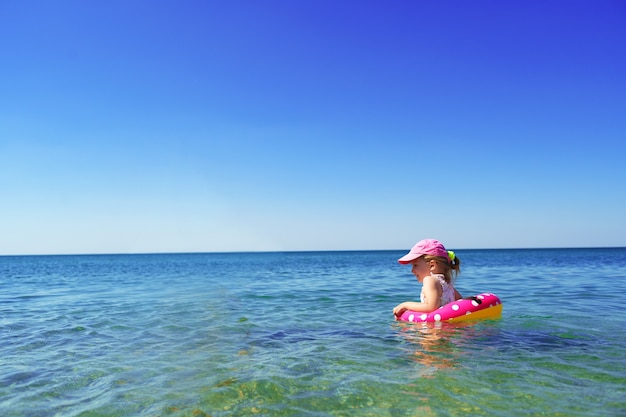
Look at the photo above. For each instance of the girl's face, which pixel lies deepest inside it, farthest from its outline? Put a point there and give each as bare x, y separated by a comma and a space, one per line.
420, 268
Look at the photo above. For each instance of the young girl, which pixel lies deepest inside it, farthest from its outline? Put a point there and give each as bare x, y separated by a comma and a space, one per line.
433, 266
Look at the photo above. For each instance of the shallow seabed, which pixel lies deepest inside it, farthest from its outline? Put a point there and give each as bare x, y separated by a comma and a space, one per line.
308, 334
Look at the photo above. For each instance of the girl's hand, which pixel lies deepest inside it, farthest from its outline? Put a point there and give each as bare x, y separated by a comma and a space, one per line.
399, 309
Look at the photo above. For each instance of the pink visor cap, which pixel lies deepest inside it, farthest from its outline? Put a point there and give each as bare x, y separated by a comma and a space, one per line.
424, 247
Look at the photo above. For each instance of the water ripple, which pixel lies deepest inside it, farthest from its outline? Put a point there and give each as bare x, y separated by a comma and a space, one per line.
306, 334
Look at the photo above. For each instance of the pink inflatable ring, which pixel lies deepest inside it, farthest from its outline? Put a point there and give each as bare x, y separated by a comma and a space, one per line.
481, 306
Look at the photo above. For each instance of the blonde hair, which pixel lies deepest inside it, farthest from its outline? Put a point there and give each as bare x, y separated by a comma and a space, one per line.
451, 268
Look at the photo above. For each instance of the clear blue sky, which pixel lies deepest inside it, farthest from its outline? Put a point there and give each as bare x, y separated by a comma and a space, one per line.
165, 126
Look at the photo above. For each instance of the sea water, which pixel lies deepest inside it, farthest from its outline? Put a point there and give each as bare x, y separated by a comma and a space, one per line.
308, 334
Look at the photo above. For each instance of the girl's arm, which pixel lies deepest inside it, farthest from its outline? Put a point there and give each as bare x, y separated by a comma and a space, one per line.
432, 293
457, 295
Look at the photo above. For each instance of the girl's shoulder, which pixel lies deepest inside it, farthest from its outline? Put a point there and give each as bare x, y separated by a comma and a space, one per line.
434, 279
441, 278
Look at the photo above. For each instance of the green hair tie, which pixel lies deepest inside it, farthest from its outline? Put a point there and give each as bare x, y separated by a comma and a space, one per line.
451, 255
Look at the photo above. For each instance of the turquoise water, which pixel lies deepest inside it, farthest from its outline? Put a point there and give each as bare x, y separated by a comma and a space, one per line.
308, 334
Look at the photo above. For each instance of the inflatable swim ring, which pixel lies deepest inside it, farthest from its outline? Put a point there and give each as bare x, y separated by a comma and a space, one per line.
481, 306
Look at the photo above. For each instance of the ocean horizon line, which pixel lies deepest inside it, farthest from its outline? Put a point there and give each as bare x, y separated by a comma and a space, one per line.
295, 251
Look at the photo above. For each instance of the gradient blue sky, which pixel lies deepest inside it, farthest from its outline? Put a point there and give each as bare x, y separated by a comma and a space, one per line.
173, 126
